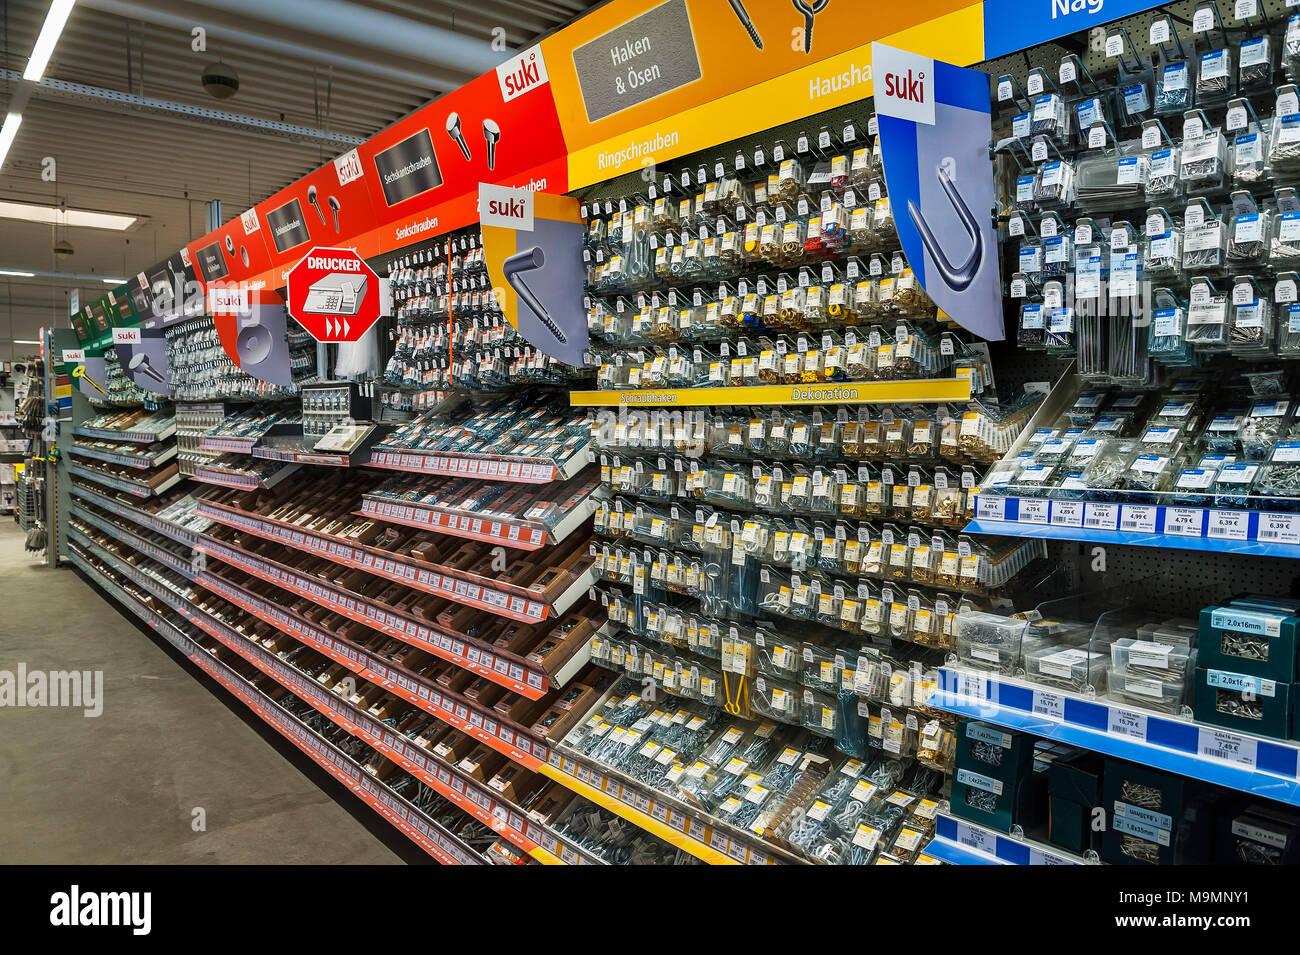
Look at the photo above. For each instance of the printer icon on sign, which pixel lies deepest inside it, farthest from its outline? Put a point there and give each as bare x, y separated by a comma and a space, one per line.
339, 293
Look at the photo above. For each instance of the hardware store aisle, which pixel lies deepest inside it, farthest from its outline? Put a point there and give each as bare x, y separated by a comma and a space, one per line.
122, 787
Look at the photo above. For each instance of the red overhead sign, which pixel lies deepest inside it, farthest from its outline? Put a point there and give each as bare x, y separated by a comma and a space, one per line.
334, 295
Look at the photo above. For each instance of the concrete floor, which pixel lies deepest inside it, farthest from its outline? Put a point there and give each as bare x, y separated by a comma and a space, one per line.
122, 787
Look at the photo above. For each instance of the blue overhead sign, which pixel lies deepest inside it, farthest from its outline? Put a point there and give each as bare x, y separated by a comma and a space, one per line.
1012, 25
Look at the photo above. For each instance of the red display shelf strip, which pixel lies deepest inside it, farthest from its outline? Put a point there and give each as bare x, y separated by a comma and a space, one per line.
136, 516
483, 725
515, 470
99, 477
513, 604
511, 673
453, 524
475, 798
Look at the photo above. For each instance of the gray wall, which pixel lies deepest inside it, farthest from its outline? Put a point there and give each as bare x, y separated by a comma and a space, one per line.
26, 306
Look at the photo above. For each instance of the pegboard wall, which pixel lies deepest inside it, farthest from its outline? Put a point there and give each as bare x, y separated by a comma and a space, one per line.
1091, 45
1176, 581
1167, 581
637, 181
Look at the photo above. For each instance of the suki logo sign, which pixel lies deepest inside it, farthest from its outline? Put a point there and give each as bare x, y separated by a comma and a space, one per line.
905, 84
508, 208
906, 87
522, 73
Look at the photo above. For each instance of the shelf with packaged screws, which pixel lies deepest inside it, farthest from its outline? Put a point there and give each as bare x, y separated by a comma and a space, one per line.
180, 562
162, 521
1265, 767
868, 699
939, 439
532, 438
478, 782
960, 842
657, 504
1218, 206
126, 479
124, 454
521, 589
1196, 465
895, 589
391, 665
739, 788
137, 427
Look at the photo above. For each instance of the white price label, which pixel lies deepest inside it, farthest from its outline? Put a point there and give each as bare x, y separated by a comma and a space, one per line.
978, 840
1159, 32
1138, 518
1184, 521
1097, 137
1067, 514
1229, 525
972, 686
1128, 723
1034, 510
1247, 9
1101, 516
1279, 528
1229, 747
1049, 704
1114, 45
1203, 20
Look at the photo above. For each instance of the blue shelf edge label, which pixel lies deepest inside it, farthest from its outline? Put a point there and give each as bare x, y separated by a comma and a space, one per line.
982, 696
1143, 520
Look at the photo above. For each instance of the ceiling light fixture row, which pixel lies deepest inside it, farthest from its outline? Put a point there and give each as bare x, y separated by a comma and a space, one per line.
46, 40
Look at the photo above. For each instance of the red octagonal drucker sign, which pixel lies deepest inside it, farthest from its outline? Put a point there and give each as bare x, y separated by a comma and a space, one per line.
334, 295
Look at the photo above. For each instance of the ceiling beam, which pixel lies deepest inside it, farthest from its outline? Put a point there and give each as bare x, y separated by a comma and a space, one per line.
131, 102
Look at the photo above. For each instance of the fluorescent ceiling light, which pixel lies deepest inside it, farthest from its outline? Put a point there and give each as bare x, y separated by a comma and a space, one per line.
24, 341
7, 133
18, 275
113, 281
49, 36
48, 215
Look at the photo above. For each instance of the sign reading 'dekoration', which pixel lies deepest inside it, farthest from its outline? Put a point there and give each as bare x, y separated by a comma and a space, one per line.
646, 57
